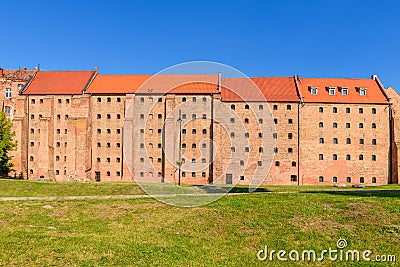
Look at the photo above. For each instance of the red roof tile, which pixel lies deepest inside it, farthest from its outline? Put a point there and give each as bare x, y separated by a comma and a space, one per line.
259, 89
160, 84
374, 94
58, 83
116, 83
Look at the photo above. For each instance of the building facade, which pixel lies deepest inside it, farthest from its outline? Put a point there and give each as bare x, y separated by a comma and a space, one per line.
200, 129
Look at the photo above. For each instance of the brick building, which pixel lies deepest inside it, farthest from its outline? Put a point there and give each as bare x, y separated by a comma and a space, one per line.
203, 129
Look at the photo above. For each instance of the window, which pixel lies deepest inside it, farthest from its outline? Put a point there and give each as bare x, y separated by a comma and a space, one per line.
374, 141
247, 149
203, 174
108, 160
321, 156
241, 177
259, 163
260, 107
58, 144
57, 172
142, 100
361, 180
183, 174
347, 125
277, 163
108, 116
289, 107
183, 131
360, 125
98, 160
183, 116
159, 160
334, 110
99, 99
373, 110
98, 116
335, 141
348, 141
66, 117
232, 135
20, 86
204, 145
293, 178
348, 157
361, 141
59, 101
108, 99
233, 149
363, 91
348, 179
260, 121
32, 131
321, 124
204, 100
118, 131
334, 157
41, 101
275, 135
294, 164
118, 160
204, 131
194, 131
159, 99
246, 106
276, 149
194, 99
241, 163
275, 107
276, 121
30, 171
193, 174
141, 145
321, 140
194, 145
334, 179
32, 117
233, 107
321, 110
203, 160
361, 157
246, 135
290, 121
183, 145
261, 150
260, 135
159, 116
141, 159
360, 110
8, 110
32, 101
321, 179
373, 126
347, 110
373, 157
118, 99
334, 125
99, 131
8, 92
31, 158
232, 120
183, 99
118, 116
314, 90
246, 120
58, 131
290, 135
332, 91
108, 173
193, 116
159, 145
345, 91
374, 180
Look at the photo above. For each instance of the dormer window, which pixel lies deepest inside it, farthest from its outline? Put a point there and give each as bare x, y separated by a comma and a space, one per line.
363, 91
314, 90
345, 91
332, 90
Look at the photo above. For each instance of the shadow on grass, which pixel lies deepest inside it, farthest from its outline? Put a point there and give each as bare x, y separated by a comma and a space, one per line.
360, 193
235, 189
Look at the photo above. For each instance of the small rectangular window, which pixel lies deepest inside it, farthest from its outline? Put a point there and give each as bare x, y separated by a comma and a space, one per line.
332, 91
314, 90
345, 91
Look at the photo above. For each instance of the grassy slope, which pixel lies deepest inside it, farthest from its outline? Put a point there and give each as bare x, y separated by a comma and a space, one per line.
229, 231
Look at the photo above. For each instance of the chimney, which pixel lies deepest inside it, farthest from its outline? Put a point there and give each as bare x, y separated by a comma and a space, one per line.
1, 72
374, 77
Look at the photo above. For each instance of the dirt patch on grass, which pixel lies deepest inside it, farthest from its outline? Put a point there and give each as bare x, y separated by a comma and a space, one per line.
316, 224
355, 209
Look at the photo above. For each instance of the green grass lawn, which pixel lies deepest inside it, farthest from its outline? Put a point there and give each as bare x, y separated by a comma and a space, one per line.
227, 232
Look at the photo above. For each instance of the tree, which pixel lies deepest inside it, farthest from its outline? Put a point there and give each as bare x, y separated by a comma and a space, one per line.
6, 144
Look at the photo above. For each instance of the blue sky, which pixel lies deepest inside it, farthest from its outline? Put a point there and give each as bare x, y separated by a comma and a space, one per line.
331, 38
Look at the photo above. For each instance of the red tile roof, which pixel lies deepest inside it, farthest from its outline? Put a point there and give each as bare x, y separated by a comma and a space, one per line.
259, 89
116, 83
374, 93
163, 83
58, 83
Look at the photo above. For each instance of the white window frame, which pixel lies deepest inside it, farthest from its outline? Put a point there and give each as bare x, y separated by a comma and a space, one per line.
314, 90
345, 89
330, 89
363, 91
8, 92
